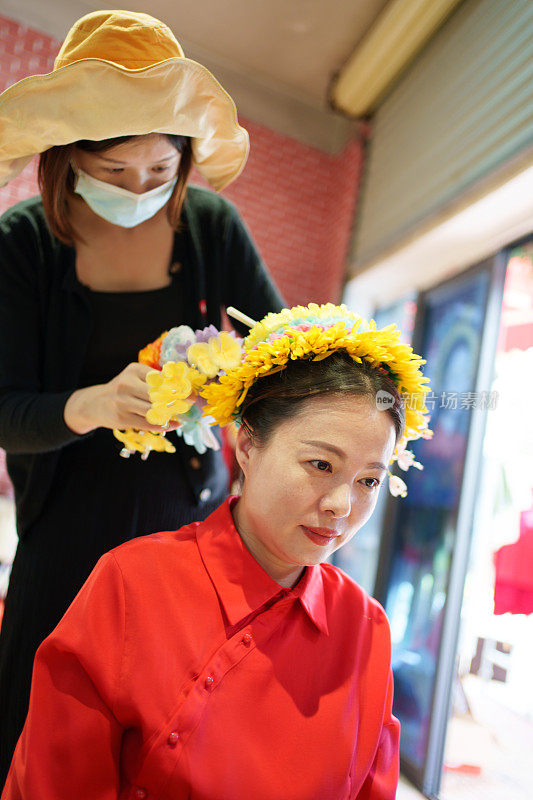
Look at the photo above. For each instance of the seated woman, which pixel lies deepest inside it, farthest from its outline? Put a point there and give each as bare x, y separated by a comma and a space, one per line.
225, 660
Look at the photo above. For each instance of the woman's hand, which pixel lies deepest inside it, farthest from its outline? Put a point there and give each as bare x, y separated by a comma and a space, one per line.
122, 403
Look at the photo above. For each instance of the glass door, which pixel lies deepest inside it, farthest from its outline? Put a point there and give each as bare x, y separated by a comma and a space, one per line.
426, 535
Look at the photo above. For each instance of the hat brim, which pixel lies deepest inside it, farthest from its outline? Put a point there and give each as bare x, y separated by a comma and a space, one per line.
96, 99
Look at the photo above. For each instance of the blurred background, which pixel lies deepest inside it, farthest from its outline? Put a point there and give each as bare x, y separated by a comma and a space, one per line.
391, 167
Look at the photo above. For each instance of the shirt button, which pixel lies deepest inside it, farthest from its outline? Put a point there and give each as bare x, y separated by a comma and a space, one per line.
247, 638
173, 739
140, 794
205, 494
195, 462
175, 267
209, 681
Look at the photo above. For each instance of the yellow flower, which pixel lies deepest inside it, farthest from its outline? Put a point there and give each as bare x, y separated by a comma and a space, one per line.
200, 356
280, 337
171, 392
178, 373
274, 322
225, 351
196, 378
143, 441
222, 352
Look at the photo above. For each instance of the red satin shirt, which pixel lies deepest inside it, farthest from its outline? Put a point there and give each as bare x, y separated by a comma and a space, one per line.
182, 671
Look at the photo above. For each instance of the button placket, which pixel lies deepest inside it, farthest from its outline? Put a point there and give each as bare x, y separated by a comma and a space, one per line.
233, 652
185, 719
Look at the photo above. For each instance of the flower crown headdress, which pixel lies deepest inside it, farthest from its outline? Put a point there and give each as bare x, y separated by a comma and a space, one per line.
203, 378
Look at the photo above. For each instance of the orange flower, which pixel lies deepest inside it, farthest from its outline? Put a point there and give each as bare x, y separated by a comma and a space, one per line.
149, 355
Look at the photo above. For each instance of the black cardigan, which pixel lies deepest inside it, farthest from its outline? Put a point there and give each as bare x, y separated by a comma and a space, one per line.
46, 321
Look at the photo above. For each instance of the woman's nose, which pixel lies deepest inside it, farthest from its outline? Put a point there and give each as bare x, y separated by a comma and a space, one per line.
138, 182
338, 501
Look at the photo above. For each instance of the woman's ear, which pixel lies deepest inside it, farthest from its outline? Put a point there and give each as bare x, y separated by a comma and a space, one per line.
243, 448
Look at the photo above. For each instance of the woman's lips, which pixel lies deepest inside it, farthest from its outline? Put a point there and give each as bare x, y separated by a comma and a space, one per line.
320, 536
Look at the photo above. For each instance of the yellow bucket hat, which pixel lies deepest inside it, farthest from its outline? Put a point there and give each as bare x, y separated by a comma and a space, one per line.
122, 73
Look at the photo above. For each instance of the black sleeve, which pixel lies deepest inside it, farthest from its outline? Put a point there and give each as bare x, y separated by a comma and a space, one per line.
31, 420
247, 284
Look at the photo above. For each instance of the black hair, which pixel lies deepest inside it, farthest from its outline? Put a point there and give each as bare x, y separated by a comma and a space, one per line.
56, 181
275, 398
90, 146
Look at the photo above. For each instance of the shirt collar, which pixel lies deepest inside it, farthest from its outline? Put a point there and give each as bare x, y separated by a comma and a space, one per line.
240, 582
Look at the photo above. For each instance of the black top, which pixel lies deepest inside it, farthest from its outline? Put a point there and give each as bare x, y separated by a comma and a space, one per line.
46, 321
112, 499
125, 322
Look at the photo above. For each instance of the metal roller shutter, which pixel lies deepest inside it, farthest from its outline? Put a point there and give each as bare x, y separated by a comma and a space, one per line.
463, 109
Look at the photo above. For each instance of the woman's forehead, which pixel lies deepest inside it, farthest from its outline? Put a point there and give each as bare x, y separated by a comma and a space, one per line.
342, 406
151, 145
346, 422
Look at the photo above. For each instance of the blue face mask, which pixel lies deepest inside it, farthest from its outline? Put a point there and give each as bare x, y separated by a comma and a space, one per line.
120, 206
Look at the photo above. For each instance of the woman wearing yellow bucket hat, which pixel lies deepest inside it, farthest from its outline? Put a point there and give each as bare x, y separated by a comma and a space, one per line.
116, 248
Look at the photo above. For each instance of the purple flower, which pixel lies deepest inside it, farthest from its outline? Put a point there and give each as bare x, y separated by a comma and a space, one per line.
206, 334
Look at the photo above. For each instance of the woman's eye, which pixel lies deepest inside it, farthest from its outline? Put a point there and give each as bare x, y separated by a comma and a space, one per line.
371, 483
161, 169
323, 466
115, 169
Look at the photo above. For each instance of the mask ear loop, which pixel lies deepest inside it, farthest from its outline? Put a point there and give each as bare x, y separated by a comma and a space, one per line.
76, 170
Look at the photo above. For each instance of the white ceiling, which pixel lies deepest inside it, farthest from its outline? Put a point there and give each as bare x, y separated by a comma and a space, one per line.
275, 57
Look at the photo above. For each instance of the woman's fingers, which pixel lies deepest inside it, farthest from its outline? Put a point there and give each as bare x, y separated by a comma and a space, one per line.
129, 404
121, 403
133, 400
138, 422
131, 382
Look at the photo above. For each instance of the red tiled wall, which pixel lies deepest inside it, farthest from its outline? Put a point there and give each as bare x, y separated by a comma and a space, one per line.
23, 51
297, 201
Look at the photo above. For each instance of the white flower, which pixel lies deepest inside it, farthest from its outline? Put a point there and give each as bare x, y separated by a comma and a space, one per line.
397, 487
183, 334
406, 459
174, 345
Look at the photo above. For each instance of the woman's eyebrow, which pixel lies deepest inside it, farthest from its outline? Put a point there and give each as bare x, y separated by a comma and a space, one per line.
341, 453
326, 446
116, 161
